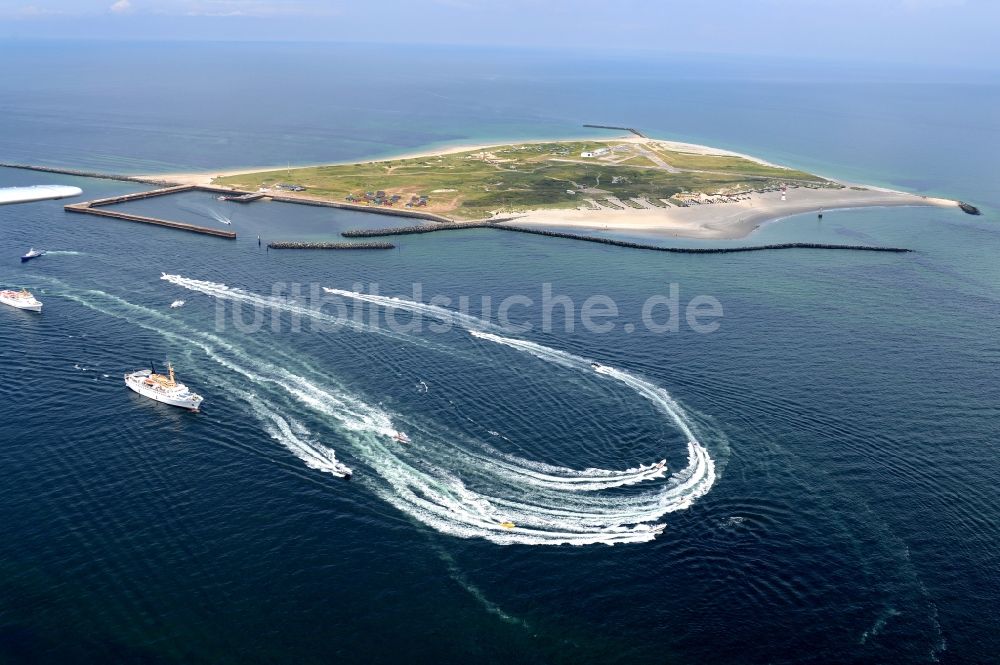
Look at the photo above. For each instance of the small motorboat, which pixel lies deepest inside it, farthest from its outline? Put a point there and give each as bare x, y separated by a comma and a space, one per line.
32, 254
177, 303
507, 525
401, 437
596, 365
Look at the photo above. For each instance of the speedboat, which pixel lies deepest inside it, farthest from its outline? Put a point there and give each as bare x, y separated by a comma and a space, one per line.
596, 365
177, 303
32, 254
163, 388
22, 299
401, 437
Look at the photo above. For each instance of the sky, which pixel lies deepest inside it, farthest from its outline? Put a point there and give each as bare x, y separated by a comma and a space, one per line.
915, 32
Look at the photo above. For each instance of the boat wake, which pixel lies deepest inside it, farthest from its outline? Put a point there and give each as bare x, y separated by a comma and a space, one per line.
444, 479
684, 486
443, 314
205, 211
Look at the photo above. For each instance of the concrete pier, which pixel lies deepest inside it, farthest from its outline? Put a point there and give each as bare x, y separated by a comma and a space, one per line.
82, 208
98, 207
378, 210
124, 198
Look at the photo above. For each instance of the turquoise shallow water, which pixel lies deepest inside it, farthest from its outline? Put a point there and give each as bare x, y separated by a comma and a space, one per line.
848, 401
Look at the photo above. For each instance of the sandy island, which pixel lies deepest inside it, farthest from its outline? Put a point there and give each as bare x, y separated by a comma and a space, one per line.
720, 220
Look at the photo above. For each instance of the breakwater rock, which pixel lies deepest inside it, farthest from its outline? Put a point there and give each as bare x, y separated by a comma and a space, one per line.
411, 230
331, 245
433, 228
699, 250
86, 174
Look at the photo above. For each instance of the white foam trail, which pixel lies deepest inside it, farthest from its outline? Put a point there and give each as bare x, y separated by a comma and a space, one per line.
477, 327
555, 475
549, 505
288, 432
443, 314
278, 304
685, 486
691, 482
204, 211
295, 438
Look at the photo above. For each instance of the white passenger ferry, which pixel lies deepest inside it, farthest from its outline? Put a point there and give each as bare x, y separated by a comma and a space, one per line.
21, 299
162, 388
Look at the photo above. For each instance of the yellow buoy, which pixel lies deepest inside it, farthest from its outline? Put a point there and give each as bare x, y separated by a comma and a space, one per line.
507, 525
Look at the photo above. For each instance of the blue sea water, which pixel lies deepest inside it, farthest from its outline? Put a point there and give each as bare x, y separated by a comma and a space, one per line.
848, 402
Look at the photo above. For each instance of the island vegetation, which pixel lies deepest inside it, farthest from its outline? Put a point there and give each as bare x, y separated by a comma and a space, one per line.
480, 183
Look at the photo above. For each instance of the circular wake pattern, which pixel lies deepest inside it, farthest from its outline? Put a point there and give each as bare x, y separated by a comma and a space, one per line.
443, 479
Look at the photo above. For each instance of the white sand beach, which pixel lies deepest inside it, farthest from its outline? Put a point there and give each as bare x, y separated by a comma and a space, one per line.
725, 220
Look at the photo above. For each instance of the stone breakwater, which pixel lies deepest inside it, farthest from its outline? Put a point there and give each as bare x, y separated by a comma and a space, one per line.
700, 250
408, 230
331, 245
85, 174
411, 230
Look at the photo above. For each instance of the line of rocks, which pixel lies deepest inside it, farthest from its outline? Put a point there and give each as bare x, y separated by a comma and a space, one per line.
409, 230
331, 245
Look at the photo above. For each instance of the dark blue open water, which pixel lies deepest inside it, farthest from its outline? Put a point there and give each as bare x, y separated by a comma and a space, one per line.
840, 504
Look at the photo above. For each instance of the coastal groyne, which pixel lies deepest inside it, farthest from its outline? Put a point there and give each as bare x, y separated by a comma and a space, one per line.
698, 250
85, 174
404, 230
622, 129
331, 245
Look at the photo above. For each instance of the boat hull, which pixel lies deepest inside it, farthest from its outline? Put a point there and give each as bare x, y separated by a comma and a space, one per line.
28, 307
136, 383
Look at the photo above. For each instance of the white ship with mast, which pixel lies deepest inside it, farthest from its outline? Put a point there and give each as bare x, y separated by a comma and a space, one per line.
21, 299
162, 388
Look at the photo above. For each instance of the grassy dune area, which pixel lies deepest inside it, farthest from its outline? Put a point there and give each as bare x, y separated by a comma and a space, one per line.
476, 184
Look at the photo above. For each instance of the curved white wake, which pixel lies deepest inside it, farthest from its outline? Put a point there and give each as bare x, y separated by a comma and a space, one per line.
685, 486
533, 472
464, 488
443, 314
